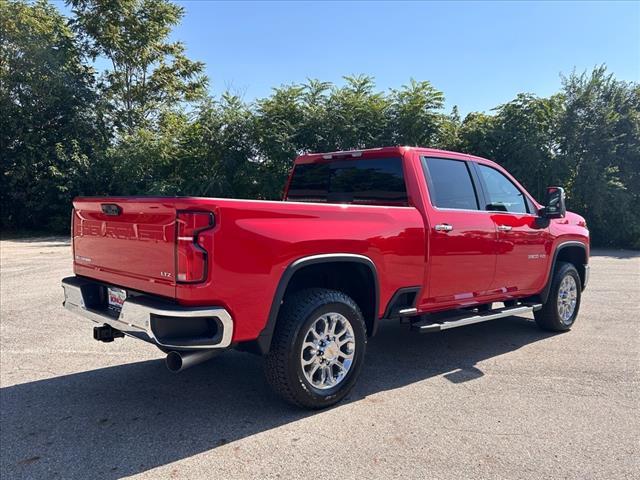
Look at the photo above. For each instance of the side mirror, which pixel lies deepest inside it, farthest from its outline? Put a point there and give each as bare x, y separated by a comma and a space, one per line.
554, 206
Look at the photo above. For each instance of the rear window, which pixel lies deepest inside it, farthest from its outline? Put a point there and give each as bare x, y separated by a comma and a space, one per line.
370, 182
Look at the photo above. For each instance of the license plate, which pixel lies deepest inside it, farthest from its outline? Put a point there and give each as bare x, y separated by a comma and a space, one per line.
116, 297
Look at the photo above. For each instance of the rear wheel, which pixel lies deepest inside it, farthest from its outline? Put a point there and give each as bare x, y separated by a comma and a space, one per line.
561, 309
318, 348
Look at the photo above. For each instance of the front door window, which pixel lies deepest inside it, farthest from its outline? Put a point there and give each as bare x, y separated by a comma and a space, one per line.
502, 195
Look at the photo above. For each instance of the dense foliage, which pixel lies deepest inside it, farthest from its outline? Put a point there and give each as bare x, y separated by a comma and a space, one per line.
145, 124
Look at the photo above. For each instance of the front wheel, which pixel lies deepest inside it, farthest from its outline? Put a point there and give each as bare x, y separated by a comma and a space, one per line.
318, 348
561, 309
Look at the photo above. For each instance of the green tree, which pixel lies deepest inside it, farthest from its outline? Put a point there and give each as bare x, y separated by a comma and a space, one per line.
522, 137
47, 133
476, 135
279, 125
448, 134
316, 132
218, 152
148, 74
599, 136
145, 126
414, 116
527, 141
142, 163
357, 115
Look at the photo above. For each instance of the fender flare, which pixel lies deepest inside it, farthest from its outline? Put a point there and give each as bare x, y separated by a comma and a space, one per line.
544, 294
264, 339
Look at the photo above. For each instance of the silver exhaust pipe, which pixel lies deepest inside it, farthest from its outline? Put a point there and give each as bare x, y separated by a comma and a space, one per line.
179, 361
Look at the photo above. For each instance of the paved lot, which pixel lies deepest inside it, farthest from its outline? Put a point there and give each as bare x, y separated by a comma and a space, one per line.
498, 400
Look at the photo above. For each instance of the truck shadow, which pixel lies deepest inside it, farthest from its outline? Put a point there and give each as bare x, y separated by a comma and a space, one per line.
119, 421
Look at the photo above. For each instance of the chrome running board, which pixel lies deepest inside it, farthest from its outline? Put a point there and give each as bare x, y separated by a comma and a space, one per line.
428, 325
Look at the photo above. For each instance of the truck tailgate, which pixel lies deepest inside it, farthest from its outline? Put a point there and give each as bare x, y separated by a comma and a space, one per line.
130, 243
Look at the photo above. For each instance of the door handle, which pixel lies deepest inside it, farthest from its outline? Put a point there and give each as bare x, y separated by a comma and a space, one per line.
443, 227
504, 228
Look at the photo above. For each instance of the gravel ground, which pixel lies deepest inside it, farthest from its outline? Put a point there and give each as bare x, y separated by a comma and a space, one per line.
495, 400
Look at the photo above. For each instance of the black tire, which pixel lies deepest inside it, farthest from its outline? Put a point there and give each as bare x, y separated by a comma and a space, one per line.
283, 367
484, 307
548, 317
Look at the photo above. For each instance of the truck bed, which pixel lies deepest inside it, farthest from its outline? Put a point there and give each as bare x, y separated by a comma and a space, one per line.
250, 246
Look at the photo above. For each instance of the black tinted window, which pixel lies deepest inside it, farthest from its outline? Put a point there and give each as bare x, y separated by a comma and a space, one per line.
502, 195
378, 181
450, 184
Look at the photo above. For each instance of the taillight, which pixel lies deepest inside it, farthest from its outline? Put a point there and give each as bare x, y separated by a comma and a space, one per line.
191, 247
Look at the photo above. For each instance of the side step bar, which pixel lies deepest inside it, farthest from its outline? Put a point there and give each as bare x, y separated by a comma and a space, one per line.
428, 326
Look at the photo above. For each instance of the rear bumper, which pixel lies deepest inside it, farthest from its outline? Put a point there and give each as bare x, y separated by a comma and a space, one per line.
151, 319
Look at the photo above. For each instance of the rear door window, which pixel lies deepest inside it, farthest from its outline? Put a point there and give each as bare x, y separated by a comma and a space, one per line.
450, 184
370, 182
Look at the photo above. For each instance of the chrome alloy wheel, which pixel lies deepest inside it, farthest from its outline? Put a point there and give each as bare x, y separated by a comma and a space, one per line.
328, 350
567, 298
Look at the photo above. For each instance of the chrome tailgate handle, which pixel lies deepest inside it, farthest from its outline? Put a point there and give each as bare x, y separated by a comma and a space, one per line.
443, 227
504, 228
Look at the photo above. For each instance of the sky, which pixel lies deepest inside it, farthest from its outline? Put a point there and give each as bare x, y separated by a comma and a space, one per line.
480, 54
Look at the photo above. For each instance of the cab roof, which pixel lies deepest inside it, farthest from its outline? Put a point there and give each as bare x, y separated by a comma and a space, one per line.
384, 151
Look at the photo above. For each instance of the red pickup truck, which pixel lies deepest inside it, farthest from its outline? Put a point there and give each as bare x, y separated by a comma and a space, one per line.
434, 238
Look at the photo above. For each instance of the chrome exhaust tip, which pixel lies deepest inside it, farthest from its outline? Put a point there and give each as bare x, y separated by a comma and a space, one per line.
179, 361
